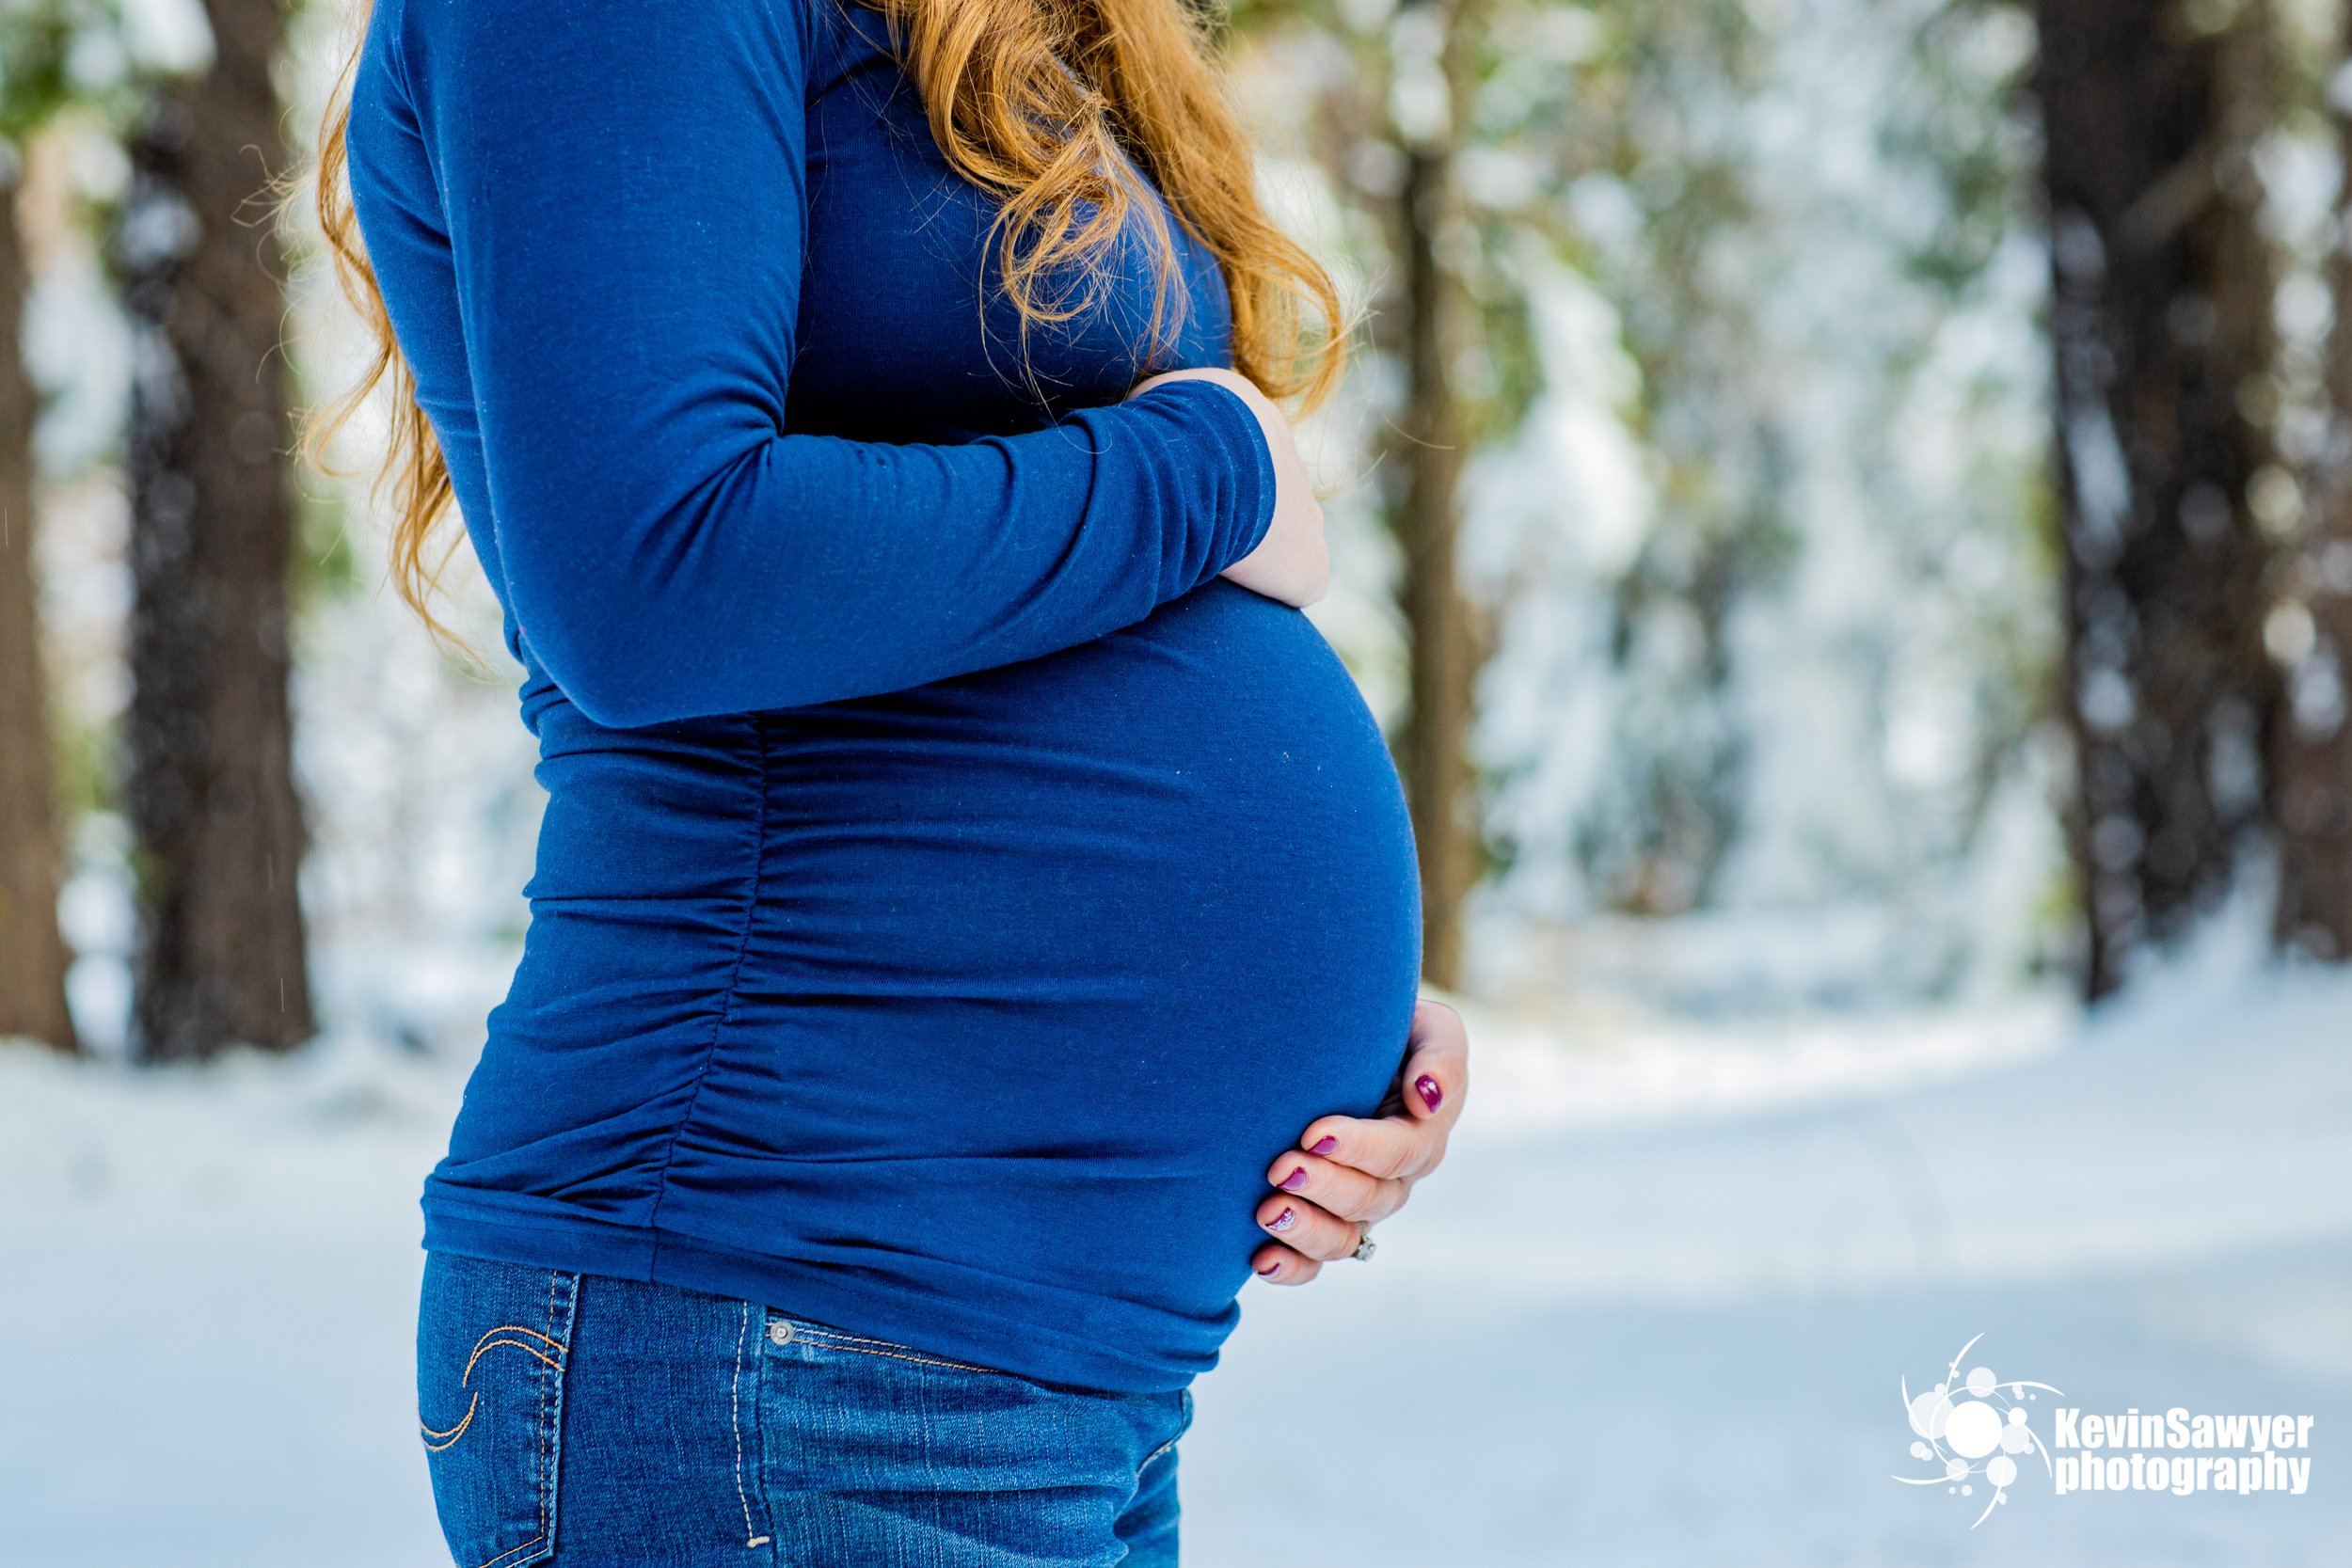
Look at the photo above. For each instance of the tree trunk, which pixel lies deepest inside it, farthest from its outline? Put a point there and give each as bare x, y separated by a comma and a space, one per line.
210, 786
33, 956
1439, 782
2311, 787
2160, 325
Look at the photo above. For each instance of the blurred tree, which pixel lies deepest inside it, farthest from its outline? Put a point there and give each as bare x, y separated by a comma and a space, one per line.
209, 785
1391, 122
2161, 328
1728, 239
1435, 50
33, 955
2312, 791
1667, 206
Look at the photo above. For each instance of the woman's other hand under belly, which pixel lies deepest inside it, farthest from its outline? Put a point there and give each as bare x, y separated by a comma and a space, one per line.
1347, 1173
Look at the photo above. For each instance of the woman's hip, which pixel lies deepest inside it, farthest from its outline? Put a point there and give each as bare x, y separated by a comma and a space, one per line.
583, 1419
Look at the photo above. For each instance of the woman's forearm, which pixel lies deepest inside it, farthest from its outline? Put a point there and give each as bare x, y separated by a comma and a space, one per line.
624, 191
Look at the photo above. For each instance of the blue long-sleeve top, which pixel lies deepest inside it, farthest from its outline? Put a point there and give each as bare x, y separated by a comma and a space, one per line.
617, 195
914, 782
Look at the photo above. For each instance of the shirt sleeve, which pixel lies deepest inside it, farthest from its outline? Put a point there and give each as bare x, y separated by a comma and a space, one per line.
624, 188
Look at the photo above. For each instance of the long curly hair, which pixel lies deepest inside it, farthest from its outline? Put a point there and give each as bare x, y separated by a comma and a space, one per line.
1049, 105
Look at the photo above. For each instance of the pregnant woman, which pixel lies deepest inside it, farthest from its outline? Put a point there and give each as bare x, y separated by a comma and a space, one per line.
975, 923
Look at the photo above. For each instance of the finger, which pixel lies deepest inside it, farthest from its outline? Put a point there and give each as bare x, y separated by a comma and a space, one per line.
1307, 1230
1349, 1194
1387, 1147
1437, 1063
1278, 1265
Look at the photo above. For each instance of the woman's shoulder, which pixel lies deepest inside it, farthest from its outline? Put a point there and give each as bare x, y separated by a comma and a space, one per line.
801, 35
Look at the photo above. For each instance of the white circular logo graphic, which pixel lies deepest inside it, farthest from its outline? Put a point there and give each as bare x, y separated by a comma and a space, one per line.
1970, 1427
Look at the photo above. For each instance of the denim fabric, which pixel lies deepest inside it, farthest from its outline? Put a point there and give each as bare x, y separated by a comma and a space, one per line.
597, 1422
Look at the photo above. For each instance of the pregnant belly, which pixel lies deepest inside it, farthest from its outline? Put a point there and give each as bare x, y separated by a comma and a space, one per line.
1039, 967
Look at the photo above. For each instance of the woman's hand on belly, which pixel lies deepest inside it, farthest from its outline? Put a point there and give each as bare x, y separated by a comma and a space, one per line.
1292, 564
1349, 1172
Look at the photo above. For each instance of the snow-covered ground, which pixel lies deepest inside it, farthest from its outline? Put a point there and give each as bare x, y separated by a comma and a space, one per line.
1655, 1310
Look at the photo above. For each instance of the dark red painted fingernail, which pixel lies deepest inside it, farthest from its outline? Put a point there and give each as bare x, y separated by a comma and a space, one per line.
1325, 1145
1284, 1221
1295, 1180
1431, 1095
1272, 1267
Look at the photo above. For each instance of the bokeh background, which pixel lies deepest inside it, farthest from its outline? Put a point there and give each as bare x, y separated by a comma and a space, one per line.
1845, 509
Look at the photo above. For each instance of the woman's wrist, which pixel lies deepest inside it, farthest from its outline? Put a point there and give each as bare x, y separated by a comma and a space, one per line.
1221, 415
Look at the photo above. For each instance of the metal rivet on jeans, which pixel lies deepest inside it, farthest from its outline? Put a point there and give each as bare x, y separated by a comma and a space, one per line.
780, 1332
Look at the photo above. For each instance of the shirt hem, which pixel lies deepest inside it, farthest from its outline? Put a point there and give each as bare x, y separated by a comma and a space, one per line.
1020, 1341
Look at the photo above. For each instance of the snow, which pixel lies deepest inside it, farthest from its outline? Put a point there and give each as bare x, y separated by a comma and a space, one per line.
1656, 1309
1727, 1182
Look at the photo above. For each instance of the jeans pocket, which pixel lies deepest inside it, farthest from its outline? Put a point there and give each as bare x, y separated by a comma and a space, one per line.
492, 1342
1184, 1424
978, 1464
784, 1329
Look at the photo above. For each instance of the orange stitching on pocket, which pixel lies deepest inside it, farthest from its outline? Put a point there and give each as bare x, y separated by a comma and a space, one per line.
518, 1328
528, 1545
519, 1345
437, 1442
454, 1433
487, 1342
547, 1473
542, 1477
558, 1366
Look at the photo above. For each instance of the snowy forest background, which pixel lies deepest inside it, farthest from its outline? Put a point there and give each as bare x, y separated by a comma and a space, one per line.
1844, 510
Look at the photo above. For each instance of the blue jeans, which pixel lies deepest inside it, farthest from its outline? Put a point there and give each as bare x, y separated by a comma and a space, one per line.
587, 1421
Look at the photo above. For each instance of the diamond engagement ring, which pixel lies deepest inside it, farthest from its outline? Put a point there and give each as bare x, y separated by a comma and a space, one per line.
1365, 1245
